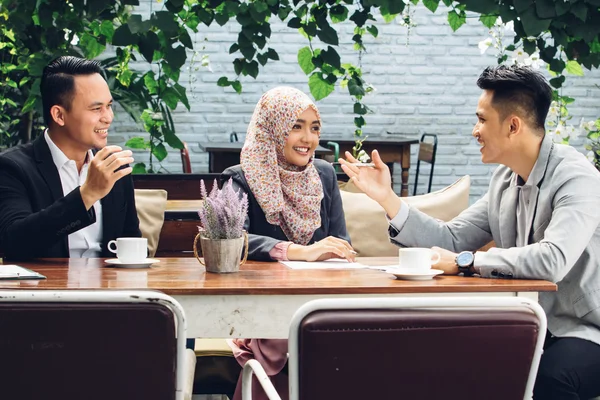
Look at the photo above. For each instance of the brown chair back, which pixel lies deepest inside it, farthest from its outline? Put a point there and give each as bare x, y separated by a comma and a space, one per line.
418, 353
185, 159
87, 351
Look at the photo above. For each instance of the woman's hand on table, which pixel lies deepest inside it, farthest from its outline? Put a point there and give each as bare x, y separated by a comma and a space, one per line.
325, 249
447, 261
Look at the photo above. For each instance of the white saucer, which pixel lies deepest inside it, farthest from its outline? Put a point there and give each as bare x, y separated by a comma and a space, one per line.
138, 264
412, 275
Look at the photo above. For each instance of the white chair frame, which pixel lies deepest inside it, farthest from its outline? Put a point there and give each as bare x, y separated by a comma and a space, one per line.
118, 296
253, 367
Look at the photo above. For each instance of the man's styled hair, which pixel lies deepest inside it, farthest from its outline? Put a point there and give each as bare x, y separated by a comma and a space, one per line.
520, 90
58, 83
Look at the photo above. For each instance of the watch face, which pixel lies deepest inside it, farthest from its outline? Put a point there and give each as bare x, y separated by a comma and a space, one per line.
464, 259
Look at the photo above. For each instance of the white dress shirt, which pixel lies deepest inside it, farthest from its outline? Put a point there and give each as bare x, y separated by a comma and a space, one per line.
85, 242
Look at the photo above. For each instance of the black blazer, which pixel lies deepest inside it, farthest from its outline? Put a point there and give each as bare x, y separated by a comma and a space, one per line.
263, 236
36, 217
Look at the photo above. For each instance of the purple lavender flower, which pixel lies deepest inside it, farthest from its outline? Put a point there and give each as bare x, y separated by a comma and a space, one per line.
224, 211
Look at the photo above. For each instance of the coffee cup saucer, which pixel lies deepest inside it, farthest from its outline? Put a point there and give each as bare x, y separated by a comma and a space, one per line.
412, 274
145, 263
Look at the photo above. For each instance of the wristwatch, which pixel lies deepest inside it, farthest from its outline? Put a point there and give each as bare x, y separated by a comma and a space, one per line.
465, 261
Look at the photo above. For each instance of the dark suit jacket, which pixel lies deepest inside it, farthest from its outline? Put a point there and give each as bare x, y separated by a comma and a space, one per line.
36, 217
263, 236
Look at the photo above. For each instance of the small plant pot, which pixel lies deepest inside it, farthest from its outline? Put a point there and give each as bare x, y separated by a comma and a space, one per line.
222, 255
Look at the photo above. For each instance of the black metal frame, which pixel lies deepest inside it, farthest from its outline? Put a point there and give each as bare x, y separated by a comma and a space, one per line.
435, 143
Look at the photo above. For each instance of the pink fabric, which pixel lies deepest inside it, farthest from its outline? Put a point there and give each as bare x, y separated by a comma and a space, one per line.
272, 355
279, 252
290, 196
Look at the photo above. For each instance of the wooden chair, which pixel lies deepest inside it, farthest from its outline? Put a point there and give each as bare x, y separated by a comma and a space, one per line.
411, 348
185, 159
179, 228
427, 153
93, 345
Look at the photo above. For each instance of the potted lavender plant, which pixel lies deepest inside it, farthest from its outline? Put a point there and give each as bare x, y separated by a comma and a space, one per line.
222, 236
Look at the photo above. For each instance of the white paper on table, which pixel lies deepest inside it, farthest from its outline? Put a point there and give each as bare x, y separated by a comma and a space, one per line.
327, 264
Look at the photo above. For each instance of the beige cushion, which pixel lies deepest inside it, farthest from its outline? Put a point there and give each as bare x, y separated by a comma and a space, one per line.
212, 348
368, 226
151, 205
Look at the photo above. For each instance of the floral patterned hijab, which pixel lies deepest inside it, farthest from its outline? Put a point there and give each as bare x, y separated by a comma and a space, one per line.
290, 196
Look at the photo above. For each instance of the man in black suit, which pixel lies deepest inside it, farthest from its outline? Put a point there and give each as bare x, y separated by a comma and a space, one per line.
58, 196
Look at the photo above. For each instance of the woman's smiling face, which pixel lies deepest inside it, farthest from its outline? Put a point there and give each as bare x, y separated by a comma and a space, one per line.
303, 139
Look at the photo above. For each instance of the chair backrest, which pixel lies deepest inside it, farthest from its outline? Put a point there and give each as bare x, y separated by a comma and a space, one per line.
91, 345
233, 137
185, 159
421, 348
427, 152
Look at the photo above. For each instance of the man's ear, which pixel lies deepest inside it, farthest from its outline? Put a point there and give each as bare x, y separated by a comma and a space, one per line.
515, 125
58, 115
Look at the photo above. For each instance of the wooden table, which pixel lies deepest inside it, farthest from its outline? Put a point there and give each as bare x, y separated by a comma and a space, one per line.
260, 300
222, 155
392, 149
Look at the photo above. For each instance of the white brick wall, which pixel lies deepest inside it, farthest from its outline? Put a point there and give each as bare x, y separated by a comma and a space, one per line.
425, 87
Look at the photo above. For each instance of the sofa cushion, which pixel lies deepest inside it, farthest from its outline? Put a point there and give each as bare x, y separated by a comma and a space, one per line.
367, 224
150, 205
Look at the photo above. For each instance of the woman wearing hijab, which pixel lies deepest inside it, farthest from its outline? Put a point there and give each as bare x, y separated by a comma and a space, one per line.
295, 209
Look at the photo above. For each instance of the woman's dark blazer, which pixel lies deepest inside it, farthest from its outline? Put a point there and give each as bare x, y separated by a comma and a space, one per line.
263, 236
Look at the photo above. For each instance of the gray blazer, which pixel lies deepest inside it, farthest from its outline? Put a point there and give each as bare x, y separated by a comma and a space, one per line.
263, 236
563, 234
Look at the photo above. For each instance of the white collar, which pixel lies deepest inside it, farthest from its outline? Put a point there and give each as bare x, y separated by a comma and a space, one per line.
59, 158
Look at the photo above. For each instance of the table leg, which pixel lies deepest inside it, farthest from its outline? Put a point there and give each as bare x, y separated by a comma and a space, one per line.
391, 167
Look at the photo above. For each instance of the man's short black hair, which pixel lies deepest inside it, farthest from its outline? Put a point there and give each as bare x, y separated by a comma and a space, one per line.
58, 83
520, 90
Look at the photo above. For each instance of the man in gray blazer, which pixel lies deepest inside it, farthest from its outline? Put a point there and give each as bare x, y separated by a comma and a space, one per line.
541, 210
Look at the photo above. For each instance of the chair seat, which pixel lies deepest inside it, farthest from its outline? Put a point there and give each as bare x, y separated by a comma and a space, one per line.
217, 370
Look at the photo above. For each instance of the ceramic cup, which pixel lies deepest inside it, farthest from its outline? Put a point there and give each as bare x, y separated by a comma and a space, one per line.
129, 250
417, 258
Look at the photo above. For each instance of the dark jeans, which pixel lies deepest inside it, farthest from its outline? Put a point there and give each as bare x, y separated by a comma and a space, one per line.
569, 369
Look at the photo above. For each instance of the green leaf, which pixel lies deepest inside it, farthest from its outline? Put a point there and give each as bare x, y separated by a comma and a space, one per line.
107, 29
170, 97
557, 82
580, 10
355, 88
90, 46
237, 86
305, 60
331, 57
481, 6
165, 21
123, 36
338, 13
488, 20
532, 25
432, 5
185, 39
223, 81
456, 20
29, 104
222, 18
272, 54
150, 82
360, 109
328, 35
137, 143
248, 51
545, 8
574, 68
447, 3
148, 44
319, 87
175, 57
529, 46
139, 168
262, 58
160, 152
136, 25
252, 69
373, 30
522, 5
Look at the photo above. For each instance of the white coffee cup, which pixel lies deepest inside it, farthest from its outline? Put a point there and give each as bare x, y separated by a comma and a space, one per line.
129, 250
417, 258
